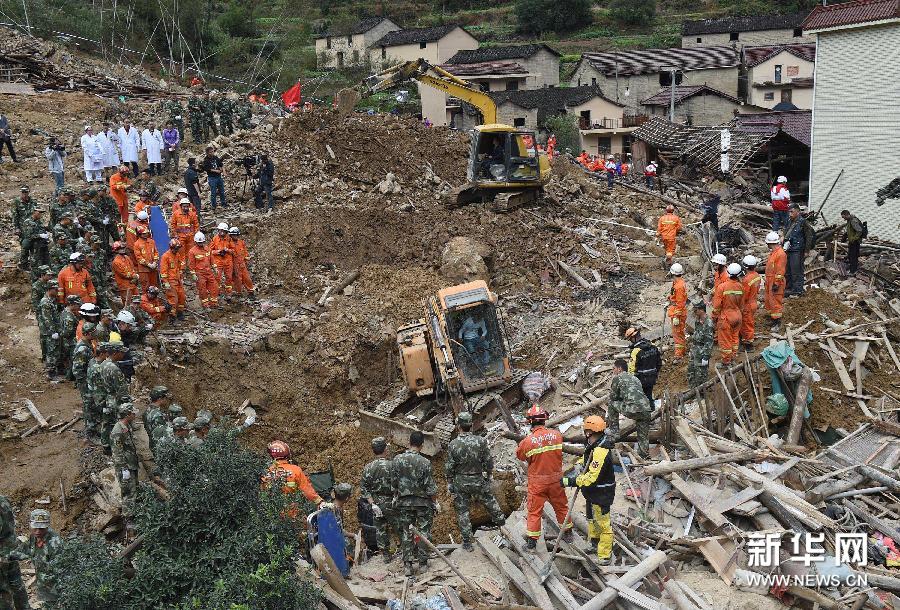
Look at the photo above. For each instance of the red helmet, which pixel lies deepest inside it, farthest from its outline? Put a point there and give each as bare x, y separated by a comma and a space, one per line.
279, 450
536, 413
117, 245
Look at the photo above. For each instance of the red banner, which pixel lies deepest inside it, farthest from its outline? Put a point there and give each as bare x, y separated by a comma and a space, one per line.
291, 97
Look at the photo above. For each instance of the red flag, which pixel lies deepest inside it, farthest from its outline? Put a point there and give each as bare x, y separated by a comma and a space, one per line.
291, 97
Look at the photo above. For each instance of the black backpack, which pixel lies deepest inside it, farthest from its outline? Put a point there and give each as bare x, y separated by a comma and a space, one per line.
648, 358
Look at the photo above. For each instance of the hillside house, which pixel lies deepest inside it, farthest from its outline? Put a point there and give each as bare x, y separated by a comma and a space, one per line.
856, 118
629, 77
436, 45
745, 30
694, 105
539, 61
780, 74
350, 47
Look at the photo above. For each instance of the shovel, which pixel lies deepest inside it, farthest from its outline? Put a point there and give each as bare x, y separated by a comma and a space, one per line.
548, 568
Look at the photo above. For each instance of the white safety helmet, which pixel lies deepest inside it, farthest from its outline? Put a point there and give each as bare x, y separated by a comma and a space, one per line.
234, 231
734, 269
185, 201
88, 309
676, 269
143, 215
750, 261
719, 259
75, 257
199, 237
773, 237
182, 191
125, 317
223, 226
782, 179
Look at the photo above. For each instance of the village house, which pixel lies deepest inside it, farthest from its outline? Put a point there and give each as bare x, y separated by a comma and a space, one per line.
694, 105
540, 62
855, 110
745, 30
781, 74
350, 47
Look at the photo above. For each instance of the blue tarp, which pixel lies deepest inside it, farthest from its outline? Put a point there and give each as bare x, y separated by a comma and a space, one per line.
159, 229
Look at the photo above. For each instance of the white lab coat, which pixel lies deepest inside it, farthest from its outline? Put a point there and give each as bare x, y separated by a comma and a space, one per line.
152, 142
129, 144
110, 149
93, 153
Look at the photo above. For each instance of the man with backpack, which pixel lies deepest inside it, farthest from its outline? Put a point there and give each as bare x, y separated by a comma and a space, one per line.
856, 231
644, 361
798, 239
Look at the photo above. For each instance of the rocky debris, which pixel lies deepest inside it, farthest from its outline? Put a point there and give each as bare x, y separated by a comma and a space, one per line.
463, 260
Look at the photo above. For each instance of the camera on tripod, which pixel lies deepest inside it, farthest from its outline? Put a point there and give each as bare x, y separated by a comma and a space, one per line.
248, 163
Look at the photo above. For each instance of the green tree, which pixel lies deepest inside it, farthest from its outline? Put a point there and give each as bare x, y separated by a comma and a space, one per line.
633, 12
566, 130
237, 21
540, 16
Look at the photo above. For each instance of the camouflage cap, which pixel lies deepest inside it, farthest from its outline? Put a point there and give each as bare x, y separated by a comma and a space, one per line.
43, 269
24, 188
88, 328
102, 347
126, 409
73, 299
379, 444
158, 391
92, 192
39, 519
201, 421
116, 346
175, 410
205, 413
54, 284
40, 208
342, 491
65, 215
181, 423
464, 419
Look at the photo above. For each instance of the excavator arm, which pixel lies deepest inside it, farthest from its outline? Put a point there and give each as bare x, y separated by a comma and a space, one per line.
421, 71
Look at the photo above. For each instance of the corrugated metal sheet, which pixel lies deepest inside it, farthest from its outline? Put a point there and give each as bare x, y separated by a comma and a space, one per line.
856, 125
649, 61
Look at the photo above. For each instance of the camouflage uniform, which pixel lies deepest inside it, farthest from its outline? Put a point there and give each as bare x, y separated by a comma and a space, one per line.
468, 467
125, 462
195, 115
41, 556
101, 333
108, 227
376, 484
626, 395
99, 271
244, 114
115, 392
59, 257
176, 115
147, 184
208, 107
225, 108
413, 485
58, 208
701, 350
20, 211
48, 325
39, 288
81, 357
68, 324
12, 589
94, 385
33, 245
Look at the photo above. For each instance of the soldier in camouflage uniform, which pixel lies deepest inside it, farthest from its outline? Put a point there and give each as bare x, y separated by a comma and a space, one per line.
13, 595
48, 328
702, 339
42, 547
66, 227
61, 205
34, 242
195, 116
176, 115
94, 385
115, 390
376, 486
124, 456
225, 108
154, 414
98, 267
101, 333
164, 432
108, 212
20, 210
244, 114
68, 324
415, 492
469, 468
208, 108
39, 286
81, 357
626, 396
59, 253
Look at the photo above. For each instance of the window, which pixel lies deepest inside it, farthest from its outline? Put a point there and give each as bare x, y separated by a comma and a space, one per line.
349, 41
786, 96
328, 42
519, 122
778, 74
423, 44
798, 32
733, 36
383, 52
699, 39
340, 58
769, 96
593, 82
579, 81
355, 56
604, 145
512, 85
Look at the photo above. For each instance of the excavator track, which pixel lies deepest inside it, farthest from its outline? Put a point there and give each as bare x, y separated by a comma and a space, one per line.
507, 202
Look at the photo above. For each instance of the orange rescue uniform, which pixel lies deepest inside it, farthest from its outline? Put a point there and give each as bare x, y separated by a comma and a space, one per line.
293, 480
225, 261
775, 269
171, 276
678, 314
126, 276
76, 282
720, 275
183, 227
242, 280
667, 229
542, 450
727, 302
117, 185
131, 234
750, 285
145, 254
200, 262
155, 308
141, 205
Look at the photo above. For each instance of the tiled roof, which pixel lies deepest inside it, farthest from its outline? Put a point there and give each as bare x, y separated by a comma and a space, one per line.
486, 68
550, 101
682, 92
747, 23
392, 39
753, 56
851, 13
796, 123
519, 51
360, 27
648, 61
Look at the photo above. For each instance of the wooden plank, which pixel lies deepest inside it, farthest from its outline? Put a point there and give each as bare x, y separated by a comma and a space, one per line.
845, 376
634, 597
860, 349
35, 413
667, 467
719, 558
735, 500
717, 519
511, 570
531, 567
890, 349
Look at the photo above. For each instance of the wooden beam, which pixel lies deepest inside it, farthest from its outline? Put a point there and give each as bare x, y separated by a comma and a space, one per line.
35, 413
666, 467
630, 578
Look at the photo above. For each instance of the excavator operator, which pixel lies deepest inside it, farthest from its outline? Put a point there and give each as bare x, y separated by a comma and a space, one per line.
495, 157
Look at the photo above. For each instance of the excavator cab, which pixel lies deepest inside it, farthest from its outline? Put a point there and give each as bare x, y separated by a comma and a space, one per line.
499, 155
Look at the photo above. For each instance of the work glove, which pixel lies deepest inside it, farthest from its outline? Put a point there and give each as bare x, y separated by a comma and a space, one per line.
44, 235
787, 246
676, 322
105, 220
326, 506
54, 336
376, 510
568, 482
152, 265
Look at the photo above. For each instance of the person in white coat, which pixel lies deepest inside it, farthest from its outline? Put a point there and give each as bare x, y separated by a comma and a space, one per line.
152, 145
93, 156
111, 151
130, 145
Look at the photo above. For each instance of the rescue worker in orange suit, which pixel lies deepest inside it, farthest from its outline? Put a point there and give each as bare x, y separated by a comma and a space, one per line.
223, 255
183, 225
242, 280
720, 272
542, 450
119, 183
291, 478
593, 475
171, 277
776, 265
750, 285
147, 258
142, 203
154, 306
141, 219
203, 271
678, 309
124, 272
727, 304
75, 279
667, 229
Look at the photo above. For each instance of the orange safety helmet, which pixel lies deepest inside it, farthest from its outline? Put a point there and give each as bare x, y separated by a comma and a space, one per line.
595, 423
536, 413
279, 450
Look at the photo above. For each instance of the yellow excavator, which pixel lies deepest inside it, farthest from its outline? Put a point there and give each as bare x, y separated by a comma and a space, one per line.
502, 168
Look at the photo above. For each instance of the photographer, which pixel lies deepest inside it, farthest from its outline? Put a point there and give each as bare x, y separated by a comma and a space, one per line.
56, 154
6, 137
266, 176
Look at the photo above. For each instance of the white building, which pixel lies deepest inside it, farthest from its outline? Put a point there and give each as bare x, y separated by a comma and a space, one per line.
350, 47
781, 74
745, 30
